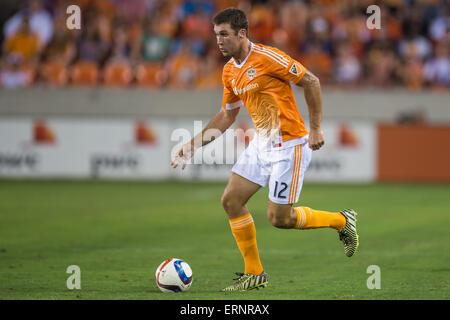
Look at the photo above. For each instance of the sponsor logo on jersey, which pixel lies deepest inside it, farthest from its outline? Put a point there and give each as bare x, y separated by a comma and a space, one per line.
245, 89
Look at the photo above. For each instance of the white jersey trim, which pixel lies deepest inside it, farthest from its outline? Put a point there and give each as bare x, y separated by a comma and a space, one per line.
273, 53
234, 105
284, 62
242, 63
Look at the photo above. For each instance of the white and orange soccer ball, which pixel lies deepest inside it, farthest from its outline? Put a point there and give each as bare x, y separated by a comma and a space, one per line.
174, 275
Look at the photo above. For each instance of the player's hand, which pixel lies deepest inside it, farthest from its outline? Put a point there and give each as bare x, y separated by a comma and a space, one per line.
183, 155
316, 139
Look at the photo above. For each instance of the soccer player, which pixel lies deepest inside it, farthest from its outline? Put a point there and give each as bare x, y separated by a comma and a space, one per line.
258, 77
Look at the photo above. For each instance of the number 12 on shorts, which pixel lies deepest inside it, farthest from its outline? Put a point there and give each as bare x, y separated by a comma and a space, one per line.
283, 187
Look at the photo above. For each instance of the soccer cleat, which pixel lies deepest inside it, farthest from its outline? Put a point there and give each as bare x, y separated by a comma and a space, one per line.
348, 235
248, 282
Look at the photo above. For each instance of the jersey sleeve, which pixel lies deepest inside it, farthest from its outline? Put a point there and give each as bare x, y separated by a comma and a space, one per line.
284, 67
230, 99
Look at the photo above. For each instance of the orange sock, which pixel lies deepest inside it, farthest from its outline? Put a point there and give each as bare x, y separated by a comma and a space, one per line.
244, 232
308, 218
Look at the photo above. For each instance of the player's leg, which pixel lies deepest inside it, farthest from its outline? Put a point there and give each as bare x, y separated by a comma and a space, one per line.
285, 216
246, 179
285, 186
343, 221
234, 200
281, 215
237, 192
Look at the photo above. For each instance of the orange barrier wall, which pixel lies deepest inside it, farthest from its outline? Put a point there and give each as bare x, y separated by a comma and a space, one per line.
413, 153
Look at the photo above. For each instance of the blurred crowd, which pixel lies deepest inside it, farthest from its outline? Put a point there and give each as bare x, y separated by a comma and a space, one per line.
171, 44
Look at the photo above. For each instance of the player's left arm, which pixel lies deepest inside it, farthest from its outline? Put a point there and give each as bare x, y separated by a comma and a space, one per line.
284, 67
313, 96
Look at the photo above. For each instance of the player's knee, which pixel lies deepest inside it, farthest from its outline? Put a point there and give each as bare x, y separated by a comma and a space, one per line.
229, 202
278, 220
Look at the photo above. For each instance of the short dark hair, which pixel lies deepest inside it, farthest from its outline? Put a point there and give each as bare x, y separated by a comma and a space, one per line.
235, 17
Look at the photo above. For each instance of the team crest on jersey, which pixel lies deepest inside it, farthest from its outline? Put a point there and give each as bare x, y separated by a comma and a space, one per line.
294, 69
251, 73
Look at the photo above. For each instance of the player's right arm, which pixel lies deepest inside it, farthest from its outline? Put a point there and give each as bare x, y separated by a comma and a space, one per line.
218, 125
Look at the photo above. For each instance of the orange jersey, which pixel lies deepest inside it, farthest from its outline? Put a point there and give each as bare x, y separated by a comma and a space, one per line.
262, 83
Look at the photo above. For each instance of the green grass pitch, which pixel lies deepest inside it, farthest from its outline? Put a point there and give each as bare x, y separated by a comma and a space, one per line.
119, 232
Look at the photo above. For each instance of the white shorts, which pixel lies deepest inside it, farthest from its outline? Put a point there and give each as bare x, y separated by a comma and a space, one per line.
283, 168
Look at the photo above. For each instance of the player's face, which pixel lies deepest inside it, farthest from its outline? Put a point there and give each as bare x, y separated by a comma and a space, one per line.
227, 39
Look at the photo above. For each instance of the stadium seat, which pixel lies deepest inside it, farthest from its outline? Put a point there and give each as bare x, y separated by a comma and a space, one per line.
117, 74
150, 75
54, 73
84, 73
30, 73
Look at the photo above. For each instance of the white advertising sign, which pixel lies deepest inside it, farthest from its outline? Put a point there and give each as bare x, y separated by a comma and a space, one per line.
349, 154
83, 148
142, 149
